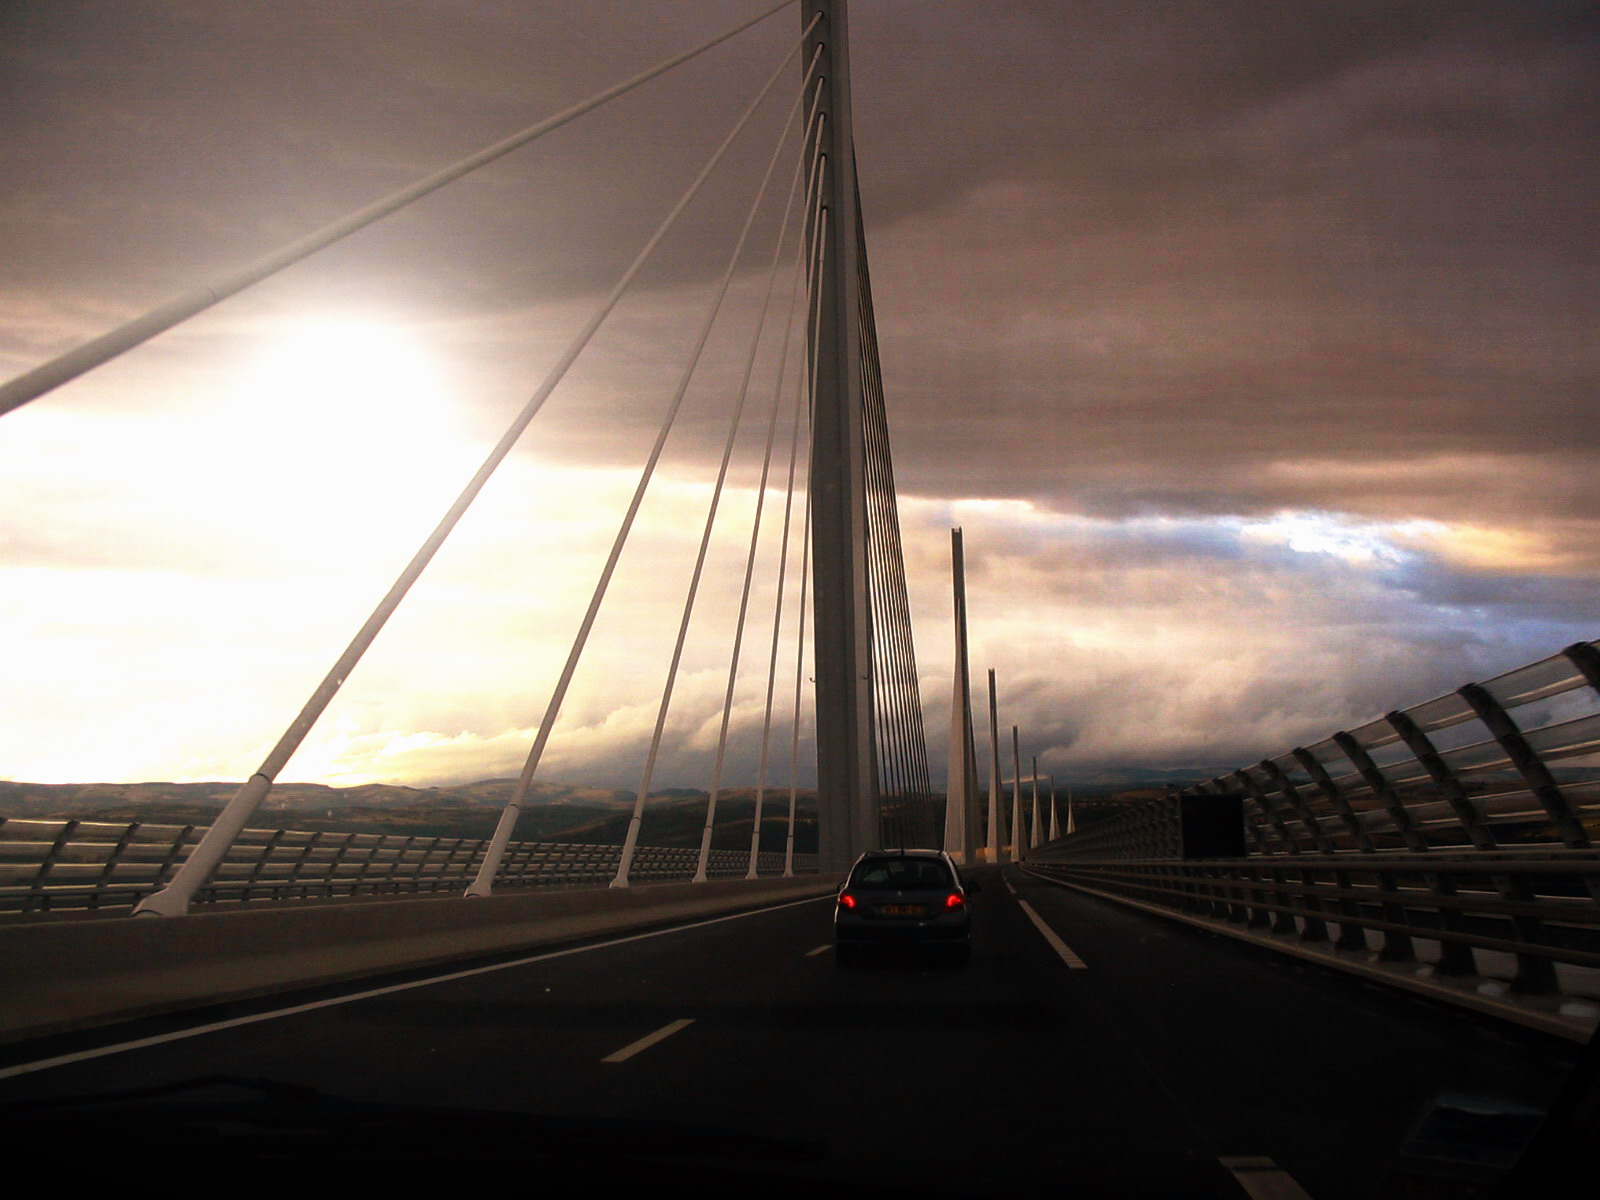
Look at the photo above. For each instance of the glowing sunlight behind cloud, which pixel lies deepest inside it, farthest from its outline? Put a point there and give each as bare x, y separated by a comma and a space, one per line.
1354, 541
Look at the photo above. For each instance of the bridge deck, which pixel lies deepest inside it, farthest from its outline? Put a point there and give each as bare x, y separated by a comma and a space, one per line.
1168, 1051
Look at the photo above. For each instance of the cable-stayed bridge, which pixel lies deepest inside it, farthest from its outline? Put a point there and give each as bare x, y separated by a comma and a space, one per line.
1180, 1073
826, 384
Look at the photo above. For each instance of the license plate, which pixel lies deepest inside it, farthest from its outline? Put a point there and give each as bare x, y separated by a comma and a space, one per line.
902, 910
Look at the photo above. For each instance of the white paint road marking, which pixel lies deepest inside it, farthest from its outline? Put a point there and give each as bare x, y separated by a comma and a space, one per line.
1263, 1179
45, 1064
649, 1039
819, 950
1009, 888
1056, 944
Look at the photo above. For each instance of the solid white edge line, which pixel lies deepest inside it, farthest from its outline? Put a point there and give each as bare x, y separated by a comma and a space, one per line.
648, 1040
1263, 1179
45, 1064
1056, 944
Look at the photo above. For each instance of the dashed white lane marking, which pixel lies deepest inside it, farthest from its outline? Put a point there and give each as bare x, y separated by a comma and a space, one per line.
1056, 944
215, 1026
819, 950
1263, 1179
649, 1039
1009, 888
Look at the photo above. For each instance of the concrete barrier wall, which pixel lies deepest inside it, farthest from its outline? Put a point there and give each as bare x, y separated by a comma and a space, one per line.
72, 975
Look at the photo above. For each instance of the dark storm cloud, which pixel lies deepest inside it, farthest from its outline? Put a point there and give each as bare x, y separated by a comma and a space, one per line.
1349, 234
1111, 245
171, 140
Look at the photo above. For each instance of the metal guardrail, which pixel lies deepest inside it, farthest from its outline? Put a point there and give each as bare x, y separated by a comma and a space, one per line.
69, 864
1468, 821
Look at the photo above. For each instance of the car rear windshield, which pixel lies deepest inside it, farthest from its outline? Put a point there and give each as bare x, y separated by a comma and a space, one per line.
901, 874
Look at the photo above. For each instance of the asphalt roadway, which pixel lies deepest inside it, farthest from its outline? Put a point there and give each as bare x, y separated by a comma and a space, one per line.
1125, 1056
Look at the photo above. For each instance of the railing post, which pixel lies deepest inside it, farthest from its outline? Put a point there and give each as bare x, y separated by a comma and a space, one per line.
399, 877
1529, 765
468, 848
1455, 958
1281, 921
1586, 658
1535, 973
1534, 773
426, 880
113, 861
291, 885
331, 884
169, 862
258, 871
522, 862
1315, 928
1352, 936
38, 897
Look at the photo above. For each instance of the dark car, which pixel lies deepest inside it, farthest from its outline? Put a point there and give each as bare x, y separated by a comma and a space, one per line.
903, 898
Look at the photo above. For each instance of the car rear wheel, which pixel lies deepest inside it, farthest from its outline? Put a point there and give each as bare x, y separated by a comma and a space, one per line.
846, 955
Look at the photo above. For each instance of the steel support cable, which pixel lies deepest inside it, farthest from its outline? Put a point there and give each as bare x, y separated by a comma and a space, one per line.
891, 639
813, 205
889, 635
631, 840
893, 616
65, 367
817, 225
916, 735
808, 388
783, 562
894, 754
882, 674
484, 883
884, 726
799, 676
891, 741
886, 706
899, 616
738, 628
893, 757
175, 897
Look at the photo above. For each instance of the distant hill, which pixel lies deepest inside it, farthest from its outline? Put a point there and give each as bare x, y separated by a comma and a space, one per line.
680, 822
72, 799
554, 811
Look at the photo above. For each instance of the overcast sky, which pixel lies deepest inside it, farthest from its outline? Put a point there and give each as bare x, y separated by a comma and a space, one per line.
1253, 345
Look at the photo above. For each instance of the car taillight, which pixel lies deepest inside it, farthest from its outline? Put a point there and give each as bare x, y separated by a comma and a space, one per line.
954, 900
846, 900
